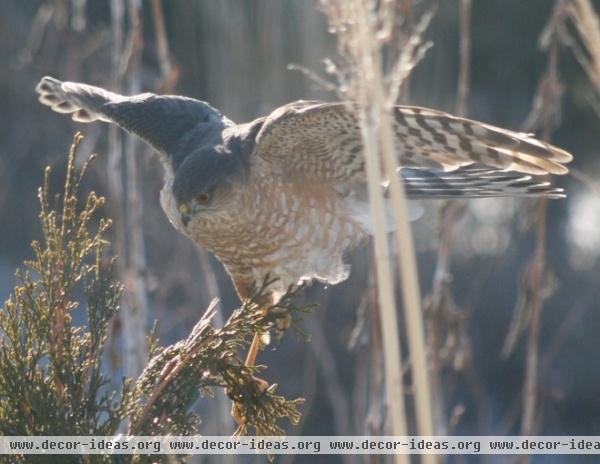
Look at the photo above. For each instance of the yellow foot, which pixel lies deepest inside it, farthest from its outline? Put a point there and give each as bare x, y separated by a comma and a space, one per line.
282, 323
236, 411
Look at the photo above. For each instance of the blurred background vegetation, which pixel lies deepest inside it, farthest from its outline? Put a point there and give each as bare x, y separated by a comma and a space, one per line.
235, 54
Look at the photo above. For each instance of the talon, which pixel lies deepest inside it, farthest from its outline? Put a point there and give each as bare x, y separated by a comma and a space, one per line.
262, 385
236, 413
282, 323
236, 410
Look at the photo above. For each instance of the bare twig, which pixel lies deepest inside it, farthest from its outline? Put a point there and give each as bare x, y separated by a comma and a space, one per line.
590, 183
124, 186
328, 369
78, 19
168, 373
547, 115
222, 406
314, 77
137, 245
440, 304
567, 327
587, 24
168, 71
530, 387
464, 68
36, 35
114, 164
409, 56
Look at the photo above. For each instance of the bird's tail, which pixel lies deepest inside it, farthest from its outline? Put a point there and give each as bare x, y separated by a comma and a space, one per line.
473, 182
83, 101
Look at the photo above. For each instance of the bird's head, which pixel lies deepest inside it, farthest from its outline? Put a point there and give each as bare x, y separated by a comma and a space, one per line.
206, 181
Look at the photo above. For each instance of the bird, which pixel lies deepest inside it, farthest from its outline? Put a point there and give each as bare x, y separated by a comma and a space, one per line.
285, 195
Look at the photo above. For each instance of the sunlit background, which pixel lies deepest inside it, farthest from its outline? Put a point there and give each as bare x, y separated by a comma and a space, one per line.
235, 55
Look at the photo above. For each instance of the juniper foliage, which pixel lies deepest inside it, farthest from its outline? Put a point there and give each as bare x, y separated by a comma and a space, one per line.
52, 380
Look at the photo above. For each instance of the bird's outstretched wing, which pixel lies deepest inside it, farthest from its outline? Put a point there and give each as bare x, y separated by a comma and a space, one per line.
161, 120
315, 141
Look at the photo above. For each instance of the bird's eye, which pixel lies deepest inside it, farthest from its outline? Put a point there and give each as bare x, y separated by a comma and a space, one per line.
203, 198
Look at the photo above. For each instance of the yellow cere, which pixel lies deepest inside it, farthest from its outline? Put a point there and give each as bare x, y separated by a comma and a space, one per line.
183, 208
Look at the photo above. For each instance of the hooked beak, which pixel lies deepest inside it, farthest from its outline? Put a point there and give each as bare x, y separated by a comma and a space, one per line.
185, 214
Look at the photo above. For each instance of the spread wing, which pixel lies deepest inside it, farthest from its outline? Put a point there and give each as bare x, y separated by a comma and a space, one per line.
161, 120
321, 142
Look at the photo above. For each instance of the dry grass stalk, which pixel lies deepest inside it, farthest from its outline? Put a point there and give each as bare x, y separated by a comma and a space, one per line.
586, 21
586, 49
358, 45
445, 320
364, 29
370, 95
545, 115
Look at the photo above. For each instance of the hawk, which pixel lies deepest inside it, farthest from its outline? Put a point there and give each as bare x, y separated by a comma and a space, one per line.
285, 195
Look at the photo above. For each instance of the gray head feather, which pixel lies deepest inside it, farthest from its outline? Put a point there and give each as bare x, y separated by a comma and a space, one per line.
208, 170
